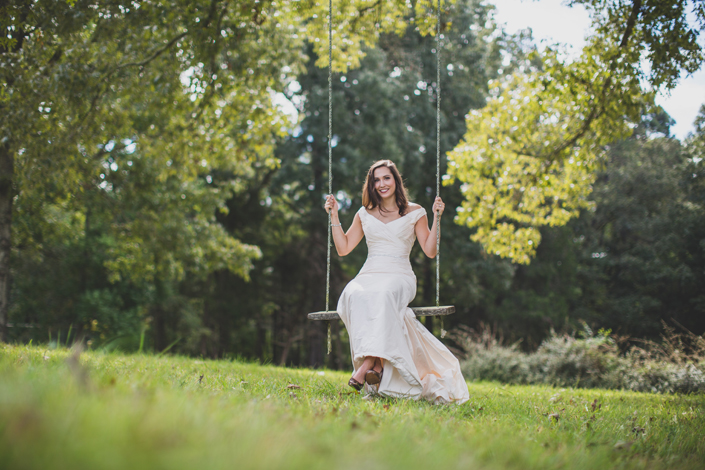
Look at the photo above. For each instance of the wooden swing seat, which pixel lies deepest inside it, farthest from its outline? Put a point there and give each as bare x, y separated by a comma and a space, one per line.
418, 311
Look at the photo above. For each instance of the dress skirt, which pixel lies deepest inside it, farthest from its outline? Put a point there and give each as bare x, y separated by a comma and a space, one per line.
374, 309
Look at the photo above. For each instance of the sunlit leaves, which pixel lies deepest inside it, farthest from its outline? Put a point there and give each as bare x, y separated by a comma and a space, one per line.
510, 188
189, 84
529, 156
358, 24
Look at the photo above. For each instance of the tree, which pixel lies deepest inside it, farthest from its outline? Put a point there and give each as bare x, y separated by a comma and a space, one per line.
383, 109
528, 159
85, 81
629, 263
80, 76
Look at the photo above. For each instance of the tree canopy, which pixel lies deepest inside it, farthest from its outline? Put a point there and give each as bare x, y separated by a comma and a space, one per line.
90, 89
156, 195
528, 159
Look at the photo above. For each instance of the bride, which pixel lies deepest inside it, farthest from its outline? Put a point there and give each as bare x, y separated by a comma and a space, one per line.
393, 354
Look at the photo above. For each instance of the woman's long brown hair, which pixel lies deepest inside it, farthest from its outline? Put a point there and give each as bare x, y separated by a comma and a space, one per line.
370, 197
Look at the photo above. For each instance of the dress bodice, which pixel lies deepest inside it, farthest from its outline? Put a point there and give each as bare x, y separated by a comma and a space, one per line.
392, 239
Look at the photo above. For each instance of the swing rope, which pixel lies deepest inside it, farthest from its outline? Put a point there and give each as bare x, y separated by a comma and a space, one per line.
330, 152
438, 156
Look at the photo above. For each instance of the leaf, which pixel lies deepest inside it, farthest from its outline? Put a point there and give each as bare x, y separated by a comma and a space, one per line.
528, 159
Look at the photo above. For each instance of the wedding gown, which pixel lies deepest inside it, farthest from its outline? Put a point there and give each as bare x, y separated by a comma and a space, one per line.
374, 309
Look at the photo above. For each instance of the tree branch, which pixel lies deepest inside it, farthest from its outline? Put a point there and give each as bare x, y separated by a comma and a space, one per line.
597, 111
211, 13
142, 63
371, 7
361, 12
636, 9
149, 59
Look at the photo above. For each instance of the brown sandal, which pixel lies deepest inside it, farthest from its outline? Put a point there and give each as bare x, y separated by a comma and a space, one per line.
355, 384
373, 377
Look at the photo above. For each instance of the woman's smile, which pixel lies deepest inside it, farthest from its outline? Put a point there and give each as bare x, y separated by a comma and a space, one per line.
384, 182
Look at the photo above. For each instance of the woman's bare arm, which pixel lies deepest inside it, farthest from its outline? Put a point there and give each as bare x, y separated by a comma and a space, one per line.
344, 242
426, 237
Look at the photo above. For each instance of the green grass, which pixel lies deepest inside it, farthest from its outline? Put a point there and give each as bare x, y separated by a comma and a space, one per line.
116, 411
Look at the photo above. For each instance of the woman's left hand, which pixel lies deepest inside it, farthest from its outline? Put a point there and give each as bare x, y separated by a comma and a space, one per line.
438, 206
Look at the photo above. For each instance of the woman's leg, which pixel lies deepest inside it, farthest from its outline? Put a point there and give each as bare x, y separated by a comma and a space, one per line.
374, 373
367, 364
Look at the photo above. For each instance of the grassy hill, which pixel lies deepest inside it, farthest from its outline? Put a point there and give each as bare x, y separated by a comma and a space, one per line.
109, 411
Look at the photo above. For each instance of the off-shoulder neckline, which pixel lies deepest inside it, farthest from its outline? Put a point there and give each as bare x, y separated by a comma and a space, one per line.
391, 221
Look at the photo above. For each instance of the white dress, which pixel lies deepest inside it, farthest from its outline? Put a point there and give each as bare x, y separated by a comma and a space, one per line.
374, 308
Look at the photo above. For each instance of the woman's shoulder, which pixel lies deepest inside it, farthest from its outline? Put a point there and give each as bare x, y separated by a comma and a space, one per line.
362, 211
413, 207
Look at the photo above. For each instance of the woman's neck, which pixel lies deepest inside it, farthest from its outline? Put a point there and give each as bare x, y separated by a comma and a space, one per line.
389, 205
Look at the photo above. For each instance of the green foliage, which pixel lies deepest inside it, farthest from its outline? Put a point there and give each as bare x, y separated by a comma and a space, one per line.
589, 361
384, 109
631, 261
138, 58
359, 24
155, 173
102, 410
138, 121
528, 158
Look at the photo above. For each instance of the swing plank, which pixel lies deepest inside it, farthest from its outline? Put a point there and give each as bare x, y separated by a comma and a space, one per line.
418, 311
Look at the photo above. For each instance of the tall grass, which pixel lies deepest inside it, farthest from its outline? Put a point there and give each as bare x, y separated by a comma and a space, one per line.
94, 410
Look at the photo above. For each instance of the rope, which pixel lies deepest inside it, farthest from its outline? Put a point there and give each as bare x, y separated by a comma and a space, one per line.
438, 158
330, 153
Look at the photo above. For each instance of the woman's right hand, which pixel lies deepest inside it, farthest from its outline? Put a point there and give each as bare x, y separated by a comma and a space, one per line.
331, 204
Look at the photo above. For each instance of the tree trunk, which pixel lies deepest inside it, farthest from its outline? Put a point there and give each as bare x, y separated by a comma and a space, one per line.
6, 195
159, 316
223, 315
285, 353
86, 246
317, 343
205, 340
261, 338
276, 332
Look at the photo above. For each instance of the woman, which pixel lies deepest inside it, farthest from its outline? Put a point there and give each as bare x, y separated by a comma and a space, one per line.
393, 353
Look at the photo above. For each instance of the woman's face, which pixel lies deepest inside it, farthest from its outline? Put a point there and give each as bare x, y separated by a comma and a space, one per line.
384, 182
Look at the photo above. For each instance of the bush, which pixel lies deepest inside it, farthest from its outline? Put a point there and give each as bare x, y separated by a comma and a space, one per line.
676, 365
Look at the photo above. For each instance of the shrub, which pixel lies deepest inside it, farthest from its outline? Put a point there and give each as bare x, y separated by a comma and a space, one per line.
675, 365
